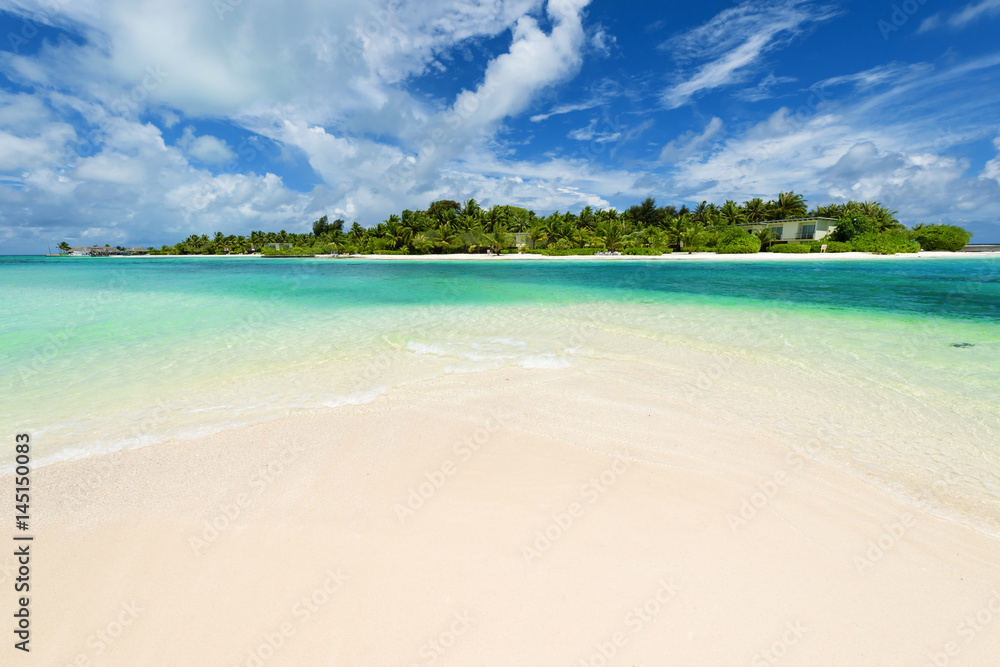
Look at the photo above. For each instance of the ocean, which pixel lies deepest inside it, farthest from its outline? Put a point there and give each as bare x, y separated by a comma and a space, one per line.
889, 369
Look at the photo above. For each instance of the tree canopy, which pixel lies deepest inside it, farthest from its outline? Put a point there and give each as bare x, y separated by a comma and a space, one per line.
449, 226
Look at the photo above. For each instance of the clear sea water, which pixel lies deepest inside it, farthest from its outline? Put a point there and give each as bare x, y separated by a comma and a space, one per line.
889, 368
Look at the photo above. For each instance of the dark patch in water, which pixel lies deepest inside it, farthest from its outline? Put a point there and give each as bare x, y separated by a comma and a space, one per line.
963, 345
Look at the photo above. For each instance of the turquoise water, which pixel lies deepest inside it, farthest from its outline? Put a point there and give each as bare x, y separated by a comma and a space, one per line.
854, 361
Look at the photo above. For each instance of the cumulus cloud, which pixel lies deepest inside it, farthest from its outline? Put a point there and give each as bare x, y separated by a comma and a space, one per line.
992, 168
534, 61
321, 79
205, 148
83, 155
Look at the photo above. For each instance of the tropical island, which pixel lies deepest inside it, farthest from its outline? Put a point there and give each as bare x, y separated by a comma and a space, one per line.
783, 225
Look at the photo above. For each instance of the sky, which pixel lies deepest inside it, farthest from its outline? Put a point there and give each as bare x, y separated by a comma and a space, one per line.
140, 122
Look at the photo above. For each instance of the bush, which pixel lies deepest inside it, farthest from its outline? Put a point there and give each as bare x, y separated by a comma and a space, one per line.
791, 248
642, 251
298, 250
942, 237
852, 225
831, 246
744, 244
884, 243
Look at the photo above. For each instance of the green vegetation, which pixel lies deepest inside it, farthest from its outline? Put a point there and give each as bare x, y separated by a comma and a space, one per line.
791, 248
831, 246
884, 243
447, 226
941, 237
738, 241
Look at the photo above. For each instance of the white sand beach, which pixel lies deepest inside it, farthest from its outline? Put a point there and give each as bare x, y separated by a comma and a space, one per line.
528, 517
683, 256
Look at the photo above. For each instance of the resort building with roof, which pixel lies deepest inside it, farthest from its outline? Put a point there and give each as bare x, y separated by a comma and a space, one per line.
795, 230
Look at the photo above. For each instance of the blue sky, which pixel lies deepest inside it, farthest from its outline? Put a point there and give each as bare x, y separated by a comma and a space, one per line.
133, 122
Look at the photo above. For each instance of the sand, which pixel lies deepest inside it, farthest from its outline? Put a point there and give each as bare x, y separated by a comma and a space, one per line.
683, 256
675, 256
513, 517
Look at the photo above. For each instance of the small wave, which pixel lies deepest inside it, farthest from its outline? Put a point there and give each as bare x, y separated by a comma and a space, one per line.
545, 361
357, 398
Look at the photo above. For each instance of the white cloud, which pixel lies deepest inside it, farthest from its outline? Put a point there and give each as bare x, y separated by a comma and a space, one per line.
880, 74
764, 88
601, 94
971, 12
564, 109
590, 133
331, 82
534, 61
725, 50
602, 41
316, 77
992, 168
691, 142
205, 148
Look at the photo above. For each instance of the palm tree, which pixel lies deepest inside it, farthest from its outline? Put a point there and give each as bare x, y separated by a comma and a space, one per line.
498, 239
790, 205
675, 228
766, 237
612, 234
64, 246
422, 242
691, 234
701, 212
755, 210
731, 213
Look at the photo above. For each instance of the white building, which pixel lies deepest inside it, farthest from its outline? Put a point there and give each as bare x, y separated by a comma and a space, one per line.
796, 230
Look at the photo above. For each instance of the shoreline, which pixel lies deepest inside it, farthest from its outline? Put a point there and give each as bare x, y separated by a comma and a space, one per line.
675, 256
542, 505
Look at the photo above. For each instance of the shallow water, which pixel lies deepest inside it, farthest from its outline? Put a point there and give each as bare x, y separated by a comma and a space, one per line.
889, 368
